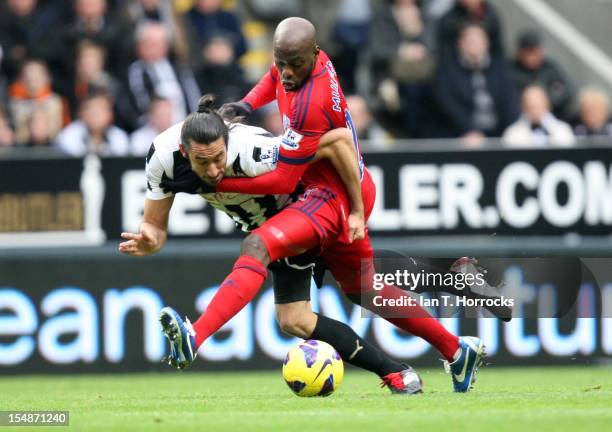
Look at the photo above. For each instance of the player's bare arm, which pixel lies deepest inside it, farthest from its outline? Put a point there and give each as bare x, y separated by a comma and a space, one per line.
337, 146
153, 230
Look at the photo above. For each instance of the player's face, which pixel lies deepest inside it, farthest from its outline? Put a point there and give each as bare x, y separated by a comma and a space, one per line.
208, 160
294, 66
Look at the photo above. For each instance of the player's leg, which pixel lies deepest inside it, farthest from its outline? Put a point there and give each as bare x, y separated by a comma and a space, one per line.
489, 288
287, 234
327, 211
278, 238
353, 268
295, 316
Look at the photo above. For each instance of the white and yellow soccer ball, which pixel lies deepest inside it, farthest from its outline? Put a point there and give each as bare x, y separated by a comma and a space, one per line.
313, 368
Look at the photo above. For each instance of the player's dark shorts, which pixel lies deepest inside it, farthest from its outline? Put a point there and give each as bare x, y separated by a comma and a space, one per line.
291, 284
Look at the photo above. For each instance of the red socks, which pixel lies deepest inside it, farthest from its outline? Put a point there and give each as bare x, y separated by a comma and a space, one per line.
248, 274
416, 320
236, 291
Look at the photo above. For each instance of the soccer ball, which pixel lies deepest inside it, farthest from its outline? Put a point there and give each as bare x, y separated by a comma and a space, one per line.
313, 368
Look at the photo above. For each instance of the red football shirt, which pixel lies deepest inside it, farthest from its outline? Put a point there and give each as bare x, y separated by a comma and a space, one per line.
308, 113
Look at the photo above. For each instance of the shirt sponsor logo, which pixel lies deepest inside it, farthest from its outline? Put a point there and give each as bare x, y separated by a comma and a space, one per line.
269, 155
291, 140
335, 89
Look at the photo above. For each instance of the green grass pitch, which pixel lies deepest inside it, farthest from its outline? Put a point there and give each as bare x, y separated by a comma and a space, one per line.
517, 399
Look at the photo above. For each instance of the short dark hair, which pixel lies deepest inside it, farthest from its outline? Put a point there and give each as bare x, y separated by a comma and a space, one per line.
97, 94
529, 39
205, 125
88, 44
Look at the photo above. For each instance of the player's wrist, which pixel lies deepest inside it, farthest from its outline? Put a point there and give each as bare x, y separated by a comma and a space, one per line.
357, 211
154, 237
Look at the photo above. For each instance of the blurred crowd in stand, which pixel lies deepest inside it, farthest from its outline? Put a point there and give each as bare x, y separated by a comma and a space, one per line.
106, 76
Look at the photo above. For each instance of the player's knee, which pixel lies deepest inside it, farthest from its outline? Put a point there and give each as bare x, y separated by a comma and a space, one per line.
254, 246
293, 326
296, 324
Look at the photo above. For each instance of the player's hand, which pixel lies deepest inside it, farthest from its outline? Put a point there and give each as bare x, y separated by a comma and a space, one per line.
141, 244
356, 227
234, 110
187, 182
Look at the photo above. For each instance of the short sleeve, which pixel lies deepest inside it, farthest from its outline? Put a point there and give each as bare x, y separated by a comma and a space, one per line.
155, 172
260, 157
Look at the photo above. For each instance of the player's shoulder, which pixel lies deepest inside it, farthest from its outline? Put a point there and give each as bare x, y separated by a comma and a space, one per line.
320, 103
274, 72
244, 139
237, 130
323, 88
241, 135
323, 56
163, 152
169, 140
325, 70
251, 150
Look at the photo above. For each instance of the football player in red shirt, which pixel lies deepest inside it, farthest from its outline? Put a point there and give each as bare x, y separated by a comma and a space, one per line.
327, 217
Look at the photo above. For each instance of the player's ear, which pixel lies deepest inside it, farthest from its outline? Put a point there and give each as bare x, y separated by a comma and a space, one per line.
316, 50
183, 150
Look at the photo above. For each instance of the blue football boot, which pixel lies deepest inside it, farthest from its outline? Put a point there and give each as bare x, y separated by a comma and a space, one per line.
463, 369
181, 336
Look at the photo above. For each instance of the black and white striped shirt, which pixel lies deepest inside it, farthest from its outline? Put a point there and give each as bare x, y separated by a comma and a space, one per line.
251, 151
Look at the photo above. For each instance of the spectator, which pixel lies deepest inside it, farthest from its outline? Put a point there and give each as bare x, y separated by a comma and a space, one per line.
33, 91
402, 63
39, 129
594, 114
537, 126
153, 74
275, 10
7, 136
323, 14
474, 94
93, 21
466, 12
94, 131
531, 66
219, 74
161, 11
350, 33
206, 19
91, 77
160, 119
24, 25
371, 135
